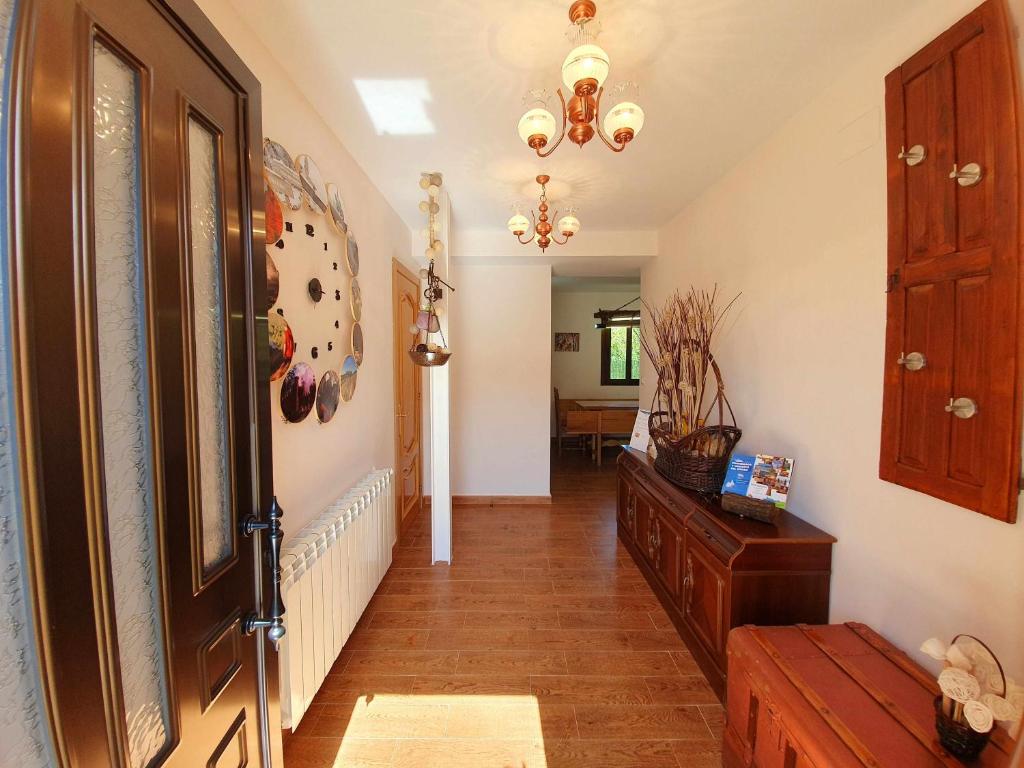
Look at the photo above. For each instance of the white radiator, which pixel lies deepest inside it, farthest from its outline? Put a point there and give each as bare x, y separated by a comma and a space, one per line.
330, 570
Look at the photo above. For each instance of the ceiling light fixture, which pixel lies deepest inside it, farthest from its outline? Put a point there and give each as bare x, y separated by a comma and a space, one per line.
541, 230
583, 72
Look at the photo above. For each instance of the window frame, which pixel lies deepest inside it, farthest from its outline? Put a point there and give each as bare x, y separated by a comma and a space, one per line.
606, 359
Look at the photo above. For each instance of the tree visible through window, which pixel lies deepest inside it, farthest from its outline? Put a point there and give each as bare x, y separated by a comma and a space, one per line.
620, 355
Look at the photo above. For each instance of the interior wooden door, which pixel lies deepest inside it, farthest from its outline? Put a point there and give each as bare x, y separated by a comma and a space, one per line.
406, 293
143, 365
951, 423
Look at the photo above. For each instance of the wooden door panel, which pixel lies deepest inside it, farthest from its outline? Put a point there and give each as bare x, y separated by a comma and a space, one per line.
973, 145
408, 397
642, 525
926, 330
970, 379
154, 284
670, 552
704, 596
931, 215
954, 269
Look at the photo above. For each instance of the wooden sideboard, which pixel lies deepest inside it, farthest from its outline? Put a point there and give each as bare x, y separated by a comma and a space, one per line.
713, 570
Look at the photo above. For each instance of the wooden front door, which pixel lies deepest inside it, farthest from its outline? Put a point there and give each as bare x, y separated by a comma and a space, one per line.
138, 292
951, 419
406, 294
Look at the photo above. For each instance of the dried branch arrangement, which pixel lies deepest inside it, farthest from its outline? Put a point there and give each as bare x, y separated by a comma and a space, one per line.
678, 340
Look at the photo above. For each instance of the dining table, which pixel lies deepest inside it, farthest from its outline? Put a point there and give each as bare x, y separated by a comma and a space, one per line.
613, 405
615, 417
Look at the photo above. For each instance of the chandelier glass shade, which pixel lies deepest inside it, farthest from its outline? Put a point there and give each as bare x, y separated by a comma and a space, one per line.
584, 72
540, 230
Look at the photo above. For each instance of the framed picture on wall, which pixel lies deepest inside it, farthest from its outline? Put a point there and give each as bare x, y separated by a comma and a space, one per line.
567, 342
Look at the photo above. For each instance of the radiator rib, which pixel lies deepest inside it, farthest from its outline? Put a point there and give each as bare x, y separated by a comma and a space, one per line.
330, 570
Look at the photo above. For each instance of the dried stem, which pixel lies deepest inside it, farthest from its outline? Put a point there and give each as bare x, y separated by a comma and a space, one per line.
677, 339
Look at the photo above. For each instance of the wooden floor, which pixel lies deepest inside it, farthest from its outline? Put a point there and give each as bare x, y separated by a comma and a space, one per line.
541, 647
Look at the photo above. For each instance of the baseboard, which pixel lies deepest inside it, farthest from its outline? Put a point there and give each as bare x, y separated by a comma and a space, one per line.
496, 501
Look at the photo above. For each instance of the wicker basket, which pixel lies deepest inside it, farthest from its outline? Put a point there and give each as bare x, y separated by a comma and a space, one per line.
756, 509
956, 738
697, 461
959, 739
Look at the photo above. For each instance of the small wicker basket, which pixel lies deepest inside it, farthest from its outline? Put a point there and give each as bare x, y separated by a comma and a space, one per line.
755, 509
957, 738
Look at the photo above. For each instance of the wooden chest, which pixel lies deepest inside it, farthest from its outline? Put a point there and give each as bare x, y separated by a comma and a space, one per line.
833, 696
713, 570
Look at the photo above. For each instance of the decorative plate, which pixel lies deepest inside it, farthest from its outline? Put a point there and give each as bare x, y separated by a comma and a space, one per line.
349, 369
337, 209
273, 282
281, 170
313, 191
282, 345
298, 393
356, 300
352, 254
273, 215
357, 343
327, 396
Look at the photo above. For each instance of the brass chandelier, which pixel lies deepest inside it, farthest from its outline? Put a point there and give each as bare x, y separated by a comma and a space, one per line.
541, 231
583, 73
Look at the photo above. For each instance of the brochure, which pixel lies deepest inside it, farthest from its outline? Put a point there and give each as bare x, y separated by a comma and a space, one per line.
759, 477
640, 439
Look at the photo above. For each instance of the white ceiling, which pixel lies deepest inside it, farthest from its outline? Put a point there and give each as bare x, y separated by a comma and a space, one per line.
716, 77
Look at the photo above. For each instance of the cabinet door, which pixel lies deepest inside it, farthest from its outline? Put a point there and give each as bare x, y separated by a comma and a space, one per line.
704, 596
667, 547
625, 502
954, 275
643, 513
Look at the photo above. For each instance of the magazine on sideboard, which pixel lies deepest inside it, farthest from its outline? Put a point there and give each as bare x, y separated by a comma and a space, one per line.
759, 477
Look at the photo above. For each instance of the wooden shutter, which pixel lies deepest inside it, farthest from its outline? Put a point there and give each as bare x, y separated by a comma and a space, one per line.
954, 269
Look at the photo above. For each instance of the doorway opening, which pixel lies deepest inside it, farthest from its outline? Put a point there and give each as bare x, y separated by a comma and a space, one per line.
595, 370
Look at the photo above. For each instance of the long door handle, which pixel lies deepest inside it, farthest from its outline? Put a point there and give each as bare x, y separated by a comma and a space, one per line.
274, 622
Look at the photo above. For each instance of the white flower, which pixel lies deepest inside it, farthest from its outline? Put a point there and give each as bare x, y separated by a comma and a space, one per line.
935, 648
1002, 710
959, 685
958, 658
978, 716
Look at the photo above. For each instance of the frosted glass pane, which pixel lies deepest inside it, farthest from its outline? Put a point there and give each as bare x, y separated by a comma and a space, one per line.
24, 736
208, 323
125, 406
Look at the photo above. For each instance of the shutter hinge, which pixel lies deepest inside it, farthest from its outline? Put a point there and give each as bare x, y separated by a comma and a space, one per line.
891, 281
1020, 483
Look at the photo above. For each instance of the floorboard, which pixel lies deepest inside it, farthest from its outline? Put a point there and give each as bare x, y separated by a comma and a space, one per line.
541, 647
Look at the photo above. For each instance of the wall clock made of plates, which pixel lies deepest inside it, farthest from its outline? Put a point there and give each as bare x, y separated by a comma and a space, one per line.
315, 303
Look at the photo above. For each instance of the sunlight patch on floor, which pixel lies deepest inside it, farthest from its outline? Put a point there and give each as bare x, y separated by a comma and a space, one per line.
453, 730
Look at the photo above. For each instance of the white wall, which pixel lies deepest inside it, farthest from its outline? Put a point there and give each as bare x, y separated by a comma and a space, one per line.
799, 228
578, 374
501, 380
315, 463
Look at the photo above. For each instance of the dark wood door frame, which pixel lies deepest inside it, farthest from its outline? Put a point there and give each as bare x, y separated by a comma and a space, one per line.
47, 186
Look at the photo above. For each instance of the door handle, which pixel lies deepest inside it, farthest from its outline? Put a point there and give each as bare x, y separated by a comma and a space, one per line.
962, 407
913, 156
273, 623
967, 176
915, 361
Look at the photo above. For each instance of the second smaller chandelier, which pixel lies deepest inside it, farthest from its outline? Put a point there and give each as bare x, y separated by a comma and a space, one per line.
541, 230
